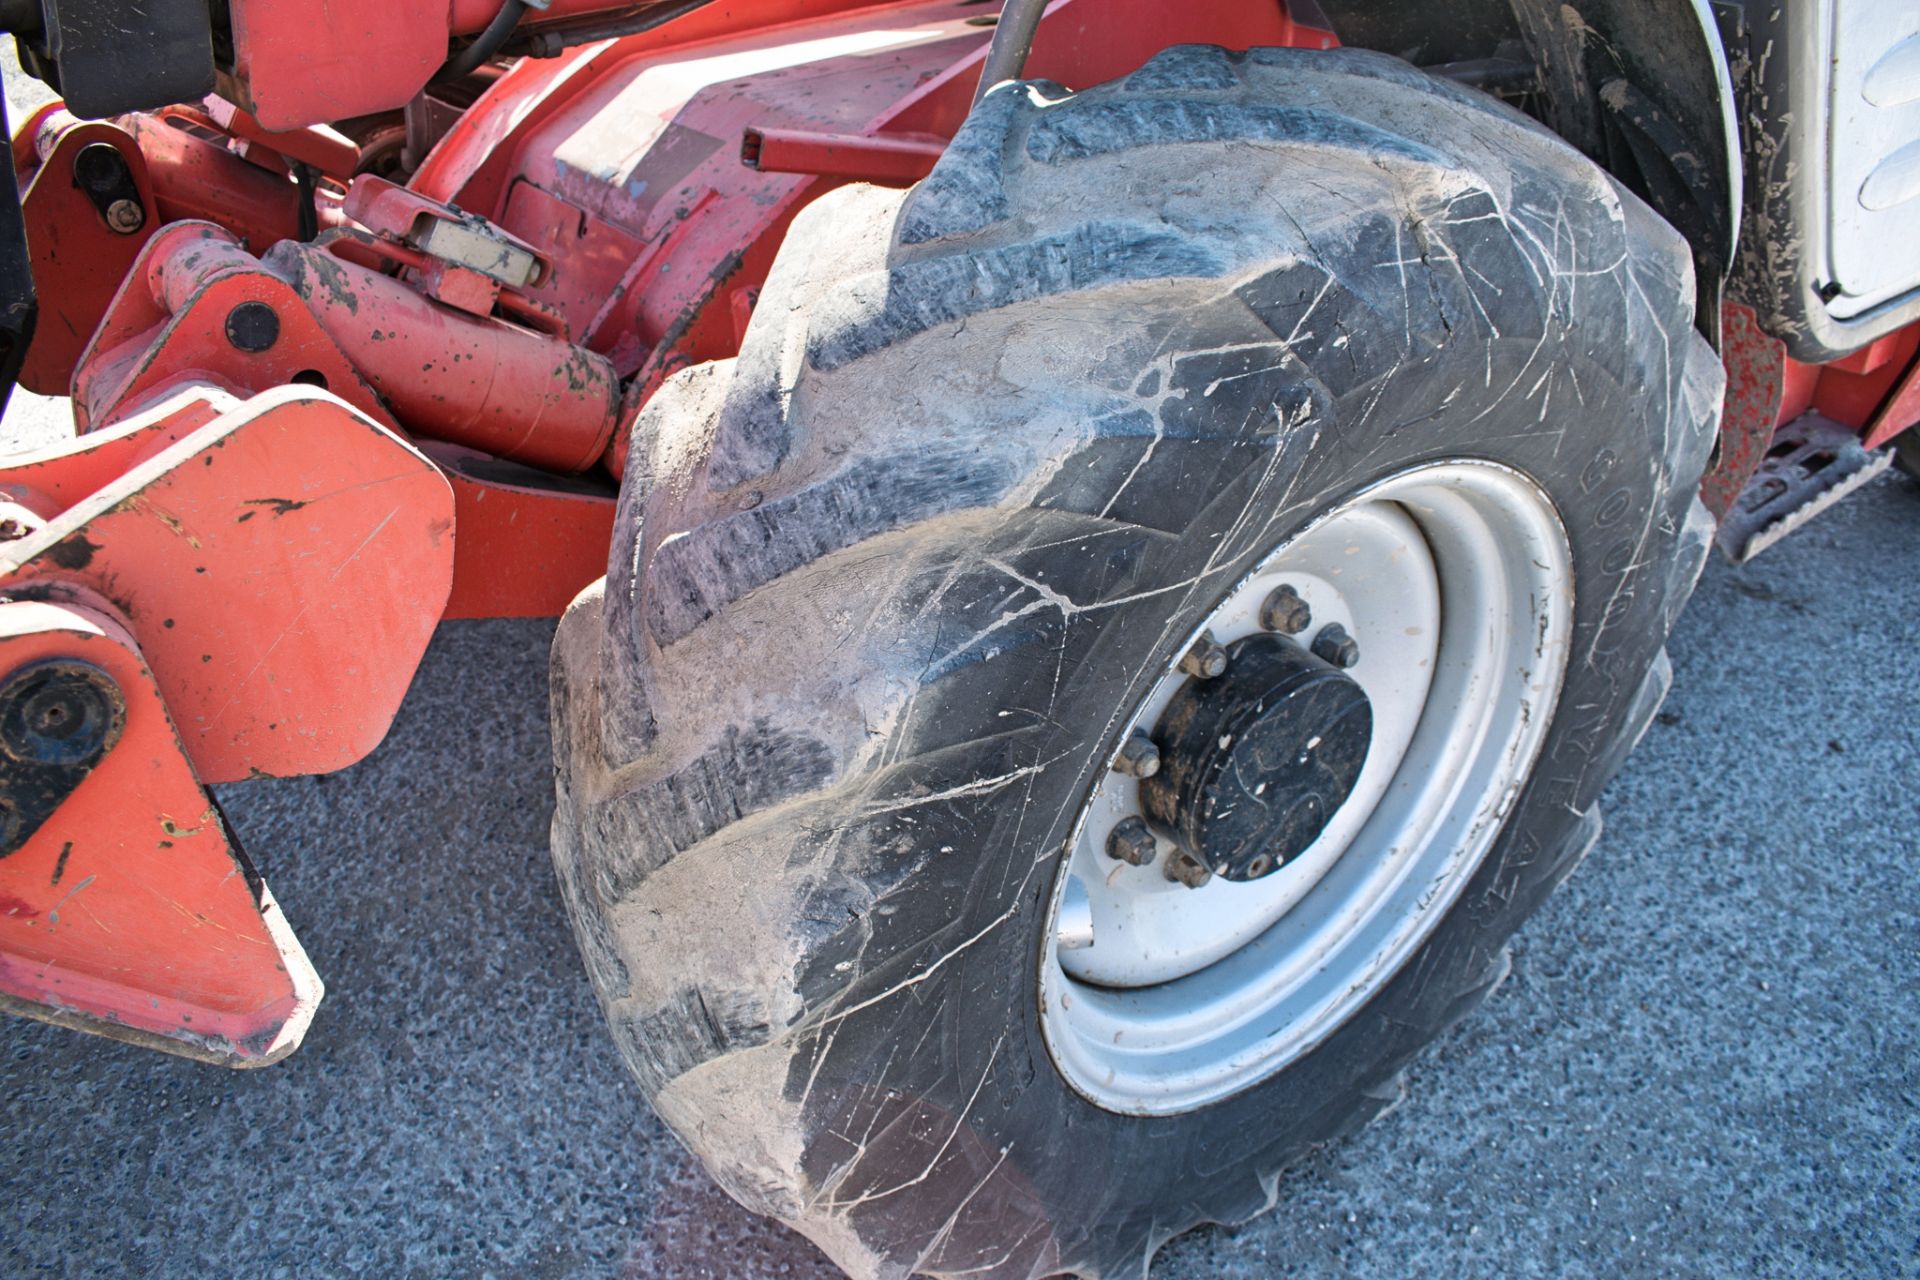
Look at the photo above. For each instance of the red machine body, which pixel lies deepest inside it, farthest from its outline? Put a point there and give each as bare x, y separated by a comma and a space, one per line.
320, 411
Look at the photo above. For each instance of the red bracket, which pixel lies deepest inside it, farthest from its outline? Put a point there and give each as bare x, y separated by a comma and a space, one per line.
130, 911
75, 248
195, 306
283, 566
282, 563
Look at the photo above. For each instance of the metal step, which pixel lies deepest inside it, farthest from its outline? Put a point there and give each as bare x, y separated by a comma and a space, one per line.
1812, 464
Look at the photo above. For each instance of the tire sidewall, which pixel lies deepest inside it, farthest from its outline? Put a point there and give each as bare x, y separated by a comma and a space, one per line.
978, 939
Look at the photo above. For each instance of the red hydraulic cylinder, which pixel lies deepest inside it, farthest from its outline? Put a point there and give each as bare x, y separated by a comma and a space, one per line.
481, 382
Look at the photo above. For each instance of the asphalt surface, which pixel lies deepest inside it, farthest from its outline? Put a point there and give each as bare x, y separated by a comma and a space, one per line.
1705, 1063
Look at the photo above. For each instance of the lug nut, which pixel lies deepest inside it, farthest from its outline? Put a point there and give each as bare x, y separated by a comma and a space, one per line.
1285, 612
1186, 870
1333, 645
1131, 843
126, 216
1138, 757
1206, 660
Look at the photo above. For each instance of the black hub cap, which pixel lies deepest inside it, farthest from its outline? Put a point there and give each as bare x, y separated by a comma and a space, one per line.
1254, 763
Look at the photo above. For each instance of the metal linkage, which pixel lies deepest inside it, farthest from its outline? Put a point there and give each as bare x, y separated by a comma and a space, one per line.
58, 717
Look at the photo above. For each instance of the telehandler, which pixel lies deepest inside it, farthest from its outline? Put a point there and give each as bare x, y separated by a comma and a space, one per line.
1104, 550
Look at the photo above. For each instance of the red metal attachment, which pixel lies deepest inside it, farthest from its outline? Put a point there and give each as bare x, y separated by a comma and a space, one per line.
318, 147
1900, 412
201, 171
129, 910
299, 62
283, 565
1756, 383
500, 388
210, 592
198, 307
1875, 391
441, 233
84, 239
529, 542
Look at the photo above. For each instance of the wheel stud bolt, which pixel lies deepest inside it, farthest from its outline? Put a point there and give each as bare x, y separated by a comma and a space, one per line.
1333, 645
1206, 660
1138, 757
1285, 611
1185, 869
1131, 843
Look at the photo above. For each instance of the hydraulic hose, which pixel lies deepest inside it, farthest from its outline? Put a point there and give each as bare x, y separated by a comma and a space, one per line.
1012, 41
486, 44
550, 40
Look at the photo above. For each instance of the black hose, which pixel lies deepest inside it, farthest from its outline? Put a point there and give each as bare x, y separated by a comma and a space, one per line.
551, 39
304, 176
484, 45
1012, 41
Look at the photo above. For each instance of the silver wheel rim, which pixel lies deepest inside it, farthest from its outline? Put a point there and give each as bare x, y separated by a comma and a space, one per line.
1456, 580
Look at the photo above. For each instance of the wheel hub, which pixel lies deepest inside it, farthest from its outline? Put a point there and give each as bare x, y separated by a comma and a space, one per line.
1255, 763
1359, 709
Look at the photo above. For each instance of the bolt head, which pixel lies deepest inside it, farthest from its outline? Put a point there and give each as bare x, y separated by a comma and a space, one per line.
1335, 647
1206, 660
1184, 869
126, 216
1138, 758
1284, 611
1130, 842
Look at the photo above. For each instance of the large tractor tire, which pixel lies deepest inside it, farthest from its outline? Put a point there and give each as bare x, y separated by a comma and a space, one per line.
1321, 433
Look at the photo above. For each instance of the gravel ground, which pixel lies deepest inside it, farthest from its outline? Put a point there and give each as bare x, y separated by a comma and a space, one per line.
1703, 1064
